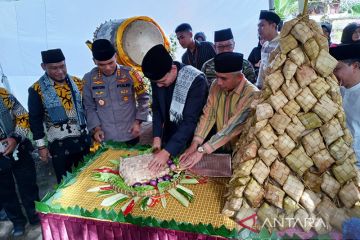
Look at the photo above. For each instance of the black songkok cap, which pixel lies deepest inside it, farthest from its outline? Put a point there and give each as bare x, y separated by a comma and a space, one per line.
223, 35
270, 16
346, 51
52, 56
228, 62
156, 63
348, 31
102, 49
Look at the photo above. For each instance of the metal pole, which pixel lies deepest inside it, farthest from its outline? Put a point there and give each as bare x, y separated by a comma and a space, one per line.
301, 6
271, 5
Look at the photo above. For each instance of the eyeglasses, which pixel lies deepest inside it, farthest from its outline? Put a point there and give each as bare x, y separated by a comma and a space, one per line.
230, 45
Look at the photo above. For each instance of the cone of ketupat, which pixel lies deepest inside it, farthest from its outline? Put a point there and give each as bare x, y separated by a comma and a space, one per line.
295, 159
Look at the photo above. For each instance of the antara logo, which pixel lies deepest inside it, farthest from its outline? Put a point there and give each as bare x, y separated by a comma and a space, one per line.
286, 222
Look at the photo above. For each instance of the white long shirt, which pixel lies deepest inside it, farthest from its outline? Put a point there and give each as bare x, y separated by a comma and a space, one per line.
351, 104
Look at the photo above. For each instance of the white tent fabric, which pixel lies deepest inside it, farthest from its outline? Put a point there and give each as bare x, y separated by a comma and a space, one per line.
30, 26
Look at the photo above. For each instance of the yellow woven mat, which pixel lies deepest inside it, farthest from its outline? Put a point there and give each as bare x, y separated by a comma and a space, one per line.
205, 208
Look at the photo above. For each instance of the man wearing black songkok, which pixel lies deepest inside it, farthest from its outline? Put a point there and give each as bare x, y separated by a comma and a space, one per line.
179, 94
267, 29
347, 72
115, 98
227, 107
55, 102
224, 42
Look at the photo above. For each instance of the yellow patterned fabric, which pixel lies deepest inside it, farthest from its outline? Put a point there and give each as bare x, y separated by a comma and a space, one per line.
20, 115
63, 91
205, 208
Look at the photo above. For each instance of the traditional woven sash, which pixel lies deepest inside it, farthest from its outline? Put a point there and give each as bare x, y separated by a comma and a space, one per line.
185, 78
53, 103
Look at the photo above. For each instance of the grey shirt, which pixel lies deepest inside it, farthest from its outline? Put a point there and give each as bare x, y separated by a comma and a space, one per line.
115, 102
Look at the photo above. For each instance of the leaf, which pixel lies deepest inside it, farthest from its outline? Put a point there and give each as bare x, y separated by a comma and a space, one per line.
115, 162
120, 217
42, 207
103, 214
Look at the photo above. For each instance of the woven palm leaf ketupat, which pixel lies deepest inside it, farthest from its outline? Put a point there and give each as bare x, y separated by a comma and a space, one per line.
303, 166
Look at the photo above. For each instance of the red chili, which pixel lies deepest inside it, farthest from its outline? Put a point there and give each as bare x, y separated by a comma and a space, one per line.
106, 170
106, 188
130, 207
154, 201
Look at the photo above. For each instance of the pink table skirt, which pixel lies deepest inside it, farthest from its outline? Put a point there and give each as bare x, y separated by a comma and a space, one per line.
59, 227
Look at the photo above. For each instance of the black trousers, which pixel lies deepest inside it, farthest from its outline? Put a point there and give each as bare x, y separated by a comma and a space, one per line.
67, 153
24, 172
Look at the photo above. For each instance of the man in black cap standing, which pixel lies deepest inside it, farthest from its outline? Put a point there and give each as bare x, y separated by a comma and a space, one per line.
197, 52
347, 72
227, 107
179, 94
267, 29
224, 42
115, 97
55, 99
16, 162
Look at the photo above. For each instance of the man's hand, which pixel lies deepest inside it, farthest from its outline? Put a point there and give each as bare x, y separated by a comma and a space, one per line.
10, 145
135, 128
156, 147
193, 147
44, 154
159, 161
99, 135
191, 160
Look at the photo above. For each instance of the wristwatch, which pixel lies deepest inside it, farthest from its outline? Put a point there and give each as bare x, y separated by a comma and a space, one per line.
201, 149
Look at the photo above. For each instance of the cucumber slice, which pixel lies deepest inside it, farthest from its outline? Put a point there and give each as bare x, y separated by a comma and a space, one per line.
185, 194
189, 181
113, 199
179, 197
185, 189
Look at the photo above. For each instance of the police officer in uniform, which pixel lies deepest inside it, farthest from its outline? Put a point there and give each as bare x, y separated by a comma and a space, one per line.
115, 97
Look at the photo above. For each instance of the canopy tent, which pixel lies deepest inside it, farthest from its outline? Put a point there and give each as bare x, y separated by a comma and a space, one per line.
28, 27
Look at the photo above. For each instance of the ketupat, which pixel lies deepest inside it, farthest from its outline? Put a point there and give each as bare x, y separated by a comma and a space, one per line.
314, 172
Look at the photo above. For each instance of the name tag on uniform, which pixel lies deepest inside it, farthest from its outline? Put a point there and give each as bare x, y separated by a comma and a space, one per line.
124, 85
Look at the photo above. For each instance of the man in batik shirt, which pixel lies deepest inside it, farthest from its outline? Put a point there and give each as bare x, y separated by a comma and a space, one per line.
228, 107
16, 161
55, 99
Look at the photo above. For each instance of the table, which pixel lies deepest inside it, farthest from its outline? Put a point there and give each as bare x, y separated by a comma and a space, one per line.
70, 212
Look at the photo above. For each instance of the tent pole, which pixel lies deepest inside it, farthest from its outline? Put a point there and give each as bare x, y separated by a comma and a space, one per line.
271, 5
301, 6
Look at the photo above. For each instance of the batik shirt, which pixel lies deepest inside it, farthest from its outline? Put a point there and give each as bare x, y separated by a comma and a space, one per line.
228, 110
20, 115
38, 113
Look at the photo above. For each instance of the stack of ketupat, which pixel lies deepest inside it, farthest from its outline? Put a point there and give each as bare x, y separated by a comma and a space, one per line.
295, 160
